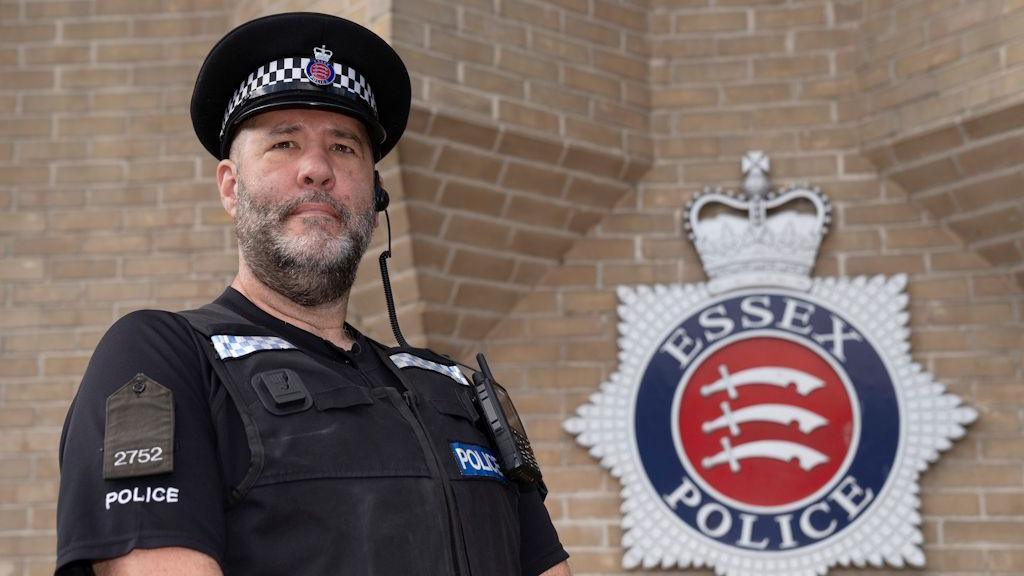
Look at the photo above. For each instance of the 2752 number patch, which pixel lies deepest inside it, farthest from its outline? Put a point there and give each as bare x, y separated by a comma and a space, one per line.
138, 439
142, 456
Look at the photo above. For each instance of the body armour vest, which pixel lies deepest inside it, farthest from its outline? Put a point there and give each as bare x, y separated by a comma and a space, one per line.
345, 478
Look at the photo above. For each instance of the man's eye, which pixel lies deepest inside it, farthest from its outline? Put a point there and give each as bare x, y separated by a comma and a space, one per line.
342, 148
283, 145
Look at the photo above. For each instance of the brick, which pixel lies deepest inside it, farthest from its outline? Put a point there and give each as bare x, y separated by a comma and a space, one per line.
93, 77
156, 171
564, 377
995, 155
468, 164
619, 15
1006, 561
471, 133
927, 175
880, 214
637, 224
538, 212
474, 198
703, 22
461, 48
485, 297
767, 118
697, 147
557, 46
683, 48
22, 269
791, 67
830, 39
596, 32
18, 367
712, 122
870, 265
557, 98
975, 366
130, 52
527, 116
919, 237
23, 33
983, 532
540, 244
477, 232
457, 98
479, 265
571, 275
82, 268
529, 147
960, 314
91, 126
593, 133
594, 193
591, 83
22, 222
156, 266
927, 59
428, 64
149, 218
927, 144
994, 286
526, 64
989, 224
490, 80
790, 18
500, 32
89, 173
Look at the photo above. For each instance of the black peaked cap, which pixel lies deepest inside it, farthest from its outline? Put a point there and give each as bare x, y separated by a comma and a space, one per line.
295, 35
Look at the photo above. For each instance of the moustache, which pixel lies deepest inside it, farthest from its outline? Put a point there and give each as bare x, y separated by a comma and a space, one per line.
283, 211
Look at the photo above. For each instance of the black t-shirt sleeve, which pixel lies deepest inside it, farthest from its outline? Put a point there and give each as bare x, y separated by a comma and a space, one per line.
540, 548
99, 519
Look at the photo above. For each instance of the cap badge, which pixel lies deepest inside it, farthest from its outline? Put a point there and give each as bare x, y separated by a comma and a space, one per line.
320, 71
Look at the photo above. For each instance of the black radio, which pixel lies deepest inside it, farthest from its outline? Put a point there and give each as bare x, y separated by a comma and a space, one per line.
506, 428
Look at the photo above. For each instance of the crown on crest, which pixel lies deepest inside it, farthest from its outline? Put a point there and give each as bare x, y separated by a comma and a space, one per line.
322, 53
767, 244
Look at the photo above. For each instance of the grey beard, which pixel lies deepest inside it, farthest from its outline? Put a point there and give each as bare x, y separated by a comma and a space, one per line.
310, 270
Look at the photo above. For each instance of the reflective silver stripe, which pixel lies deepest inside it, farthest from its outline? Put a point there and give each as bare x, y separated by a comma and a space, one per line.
237, 346
406, 360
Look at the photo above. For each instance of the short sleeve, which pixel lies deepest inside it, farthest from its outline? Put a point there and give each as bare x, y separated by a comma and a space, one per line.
100, 518
540, 548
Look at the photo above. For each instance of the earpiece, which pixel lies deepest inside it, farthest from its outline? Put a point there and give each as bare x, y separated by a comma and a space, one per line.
380, 195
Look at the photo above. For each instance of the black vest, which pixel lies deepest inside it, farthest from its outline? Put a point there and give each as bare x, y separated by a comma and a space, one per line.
345, 478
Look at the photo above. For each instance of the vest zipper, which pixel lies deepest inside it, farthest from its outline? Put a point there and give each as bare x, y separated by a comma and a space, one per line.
459, 556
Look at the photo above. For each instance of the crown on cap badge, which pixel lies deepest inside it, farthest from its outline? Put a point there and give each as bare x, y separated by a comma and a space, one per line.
322, 53
767, 244
320, 71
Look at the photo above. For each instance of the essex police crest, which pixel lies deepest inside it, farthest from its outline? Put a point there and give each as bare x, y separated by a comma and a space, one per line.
766, 422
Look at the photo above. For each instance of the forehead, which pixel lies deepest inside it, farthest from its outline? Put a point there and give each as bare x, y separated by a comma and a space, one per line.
305, 119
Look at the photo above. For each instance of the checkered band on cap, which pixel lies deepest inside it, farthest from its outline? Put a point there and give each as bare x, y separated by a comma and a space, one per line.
406, 360
229, 346
277, 75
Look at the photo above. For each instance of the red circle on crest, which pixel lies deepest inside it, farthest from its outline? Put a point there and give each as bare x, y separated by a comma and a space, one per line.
320, 72
768, 441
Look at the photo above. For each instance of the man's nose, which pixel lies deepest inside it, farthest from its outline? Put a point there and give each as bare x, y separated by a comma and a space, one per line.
316, 171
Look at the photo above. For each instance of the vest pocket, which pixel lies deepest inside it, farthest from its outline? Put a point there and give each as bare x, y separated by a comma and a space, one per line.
344, 397
349, 434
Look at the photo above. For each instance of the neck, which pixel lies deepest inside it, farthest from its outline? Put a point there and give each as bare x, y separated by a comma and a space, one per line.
326, 320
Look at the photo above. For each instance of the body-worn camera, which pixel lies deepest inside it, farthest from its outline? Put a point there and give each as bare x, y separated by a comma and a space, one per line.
506, 428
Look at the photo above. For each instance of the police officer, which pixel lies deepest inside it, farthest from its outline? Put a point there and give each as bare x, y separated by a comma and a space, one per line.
261, 434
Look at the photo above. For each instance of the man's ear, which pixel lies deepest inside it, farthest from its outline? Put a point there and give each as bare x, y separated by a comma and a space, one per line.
227, 183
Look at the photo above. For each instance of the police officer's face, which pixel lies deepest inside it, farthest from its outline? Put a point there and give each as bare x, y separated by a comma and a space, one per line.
302, 185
